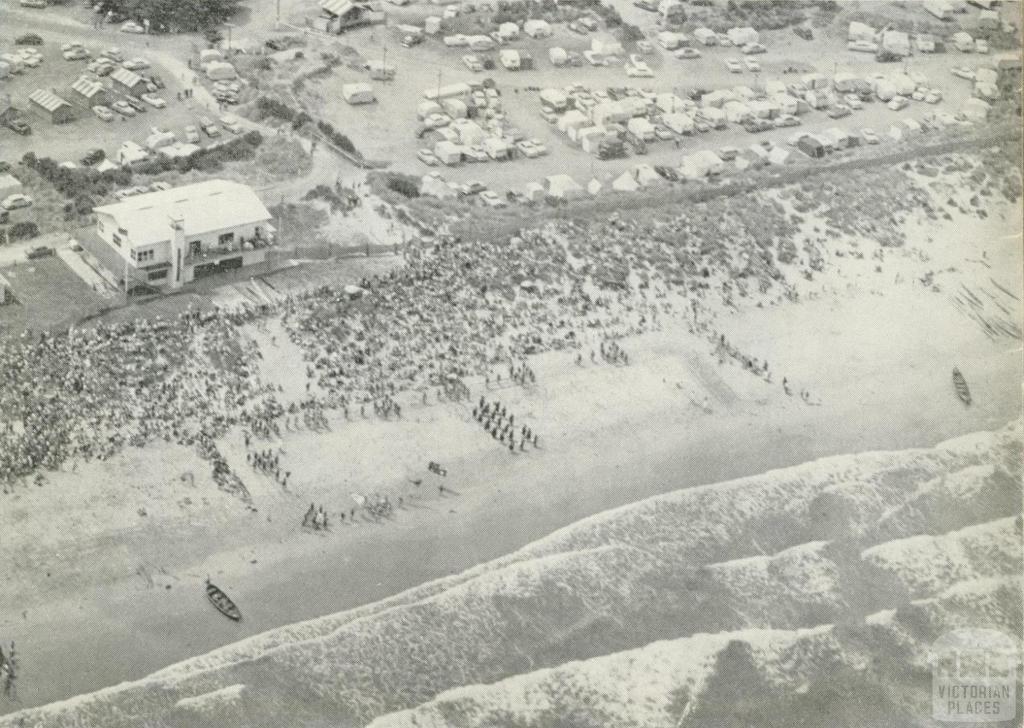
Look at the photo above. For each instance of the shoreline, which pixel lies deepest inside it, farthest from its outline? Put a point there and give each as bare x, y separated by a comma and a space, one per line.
306, 576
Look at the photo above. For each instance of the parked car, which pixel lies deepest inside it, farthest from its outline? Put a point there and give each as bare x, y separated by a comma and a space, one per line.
645, 47
207, 125
231, 123
639, 70
39, 251
103, 112
123, 109
898, 103
933, 96
751, 49
648, 5
734, 66
135, 104
475, 187
136, 64
527, 149
594, 59
755, 126
113, 54
132, 27
16, 201
155, 101
491, 199
853, 101
727, 154
427, 157
962, 72
664, 133
980, 45
17, 125
752, 65
839, 111
473, 63
862, 46
786, 120
411, 40
474, 154
869, 135
75, 54
191, 134
687, 53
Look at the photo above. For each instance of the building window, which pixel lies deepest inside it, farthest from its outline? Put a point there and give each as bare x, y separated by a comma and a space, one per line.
146, 255
158, 275
195, 248
117, 239
226, 239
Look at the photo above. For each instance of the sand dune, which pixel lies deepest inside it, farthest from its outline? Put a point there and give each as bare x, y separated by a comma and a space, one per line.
735, 578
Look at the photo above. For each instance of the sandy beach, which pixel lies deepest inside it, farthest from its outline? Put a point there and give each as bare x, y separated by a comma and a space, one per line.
76, 603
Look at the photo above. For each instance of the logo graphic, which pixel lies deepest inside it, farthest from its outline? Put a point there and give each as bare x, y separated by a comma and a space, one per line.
974, 676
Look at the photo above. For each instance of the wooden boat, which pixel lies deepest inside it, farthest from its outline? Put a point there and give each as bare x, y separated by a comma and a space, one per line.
222, 602
960, 384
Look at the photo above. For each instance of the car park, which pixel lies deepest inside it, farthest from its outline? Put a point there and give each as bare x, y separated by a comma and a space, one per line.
752, 65
869, 135
191, 134
123, 109
427, 157
687, 53
103, 113
734, 66
16, 201
155, 101
756, 126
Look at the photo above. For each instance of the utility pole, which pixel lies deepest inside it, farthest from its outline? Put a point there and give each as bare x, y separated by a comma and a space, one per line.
438, 99
278, 24
384, 61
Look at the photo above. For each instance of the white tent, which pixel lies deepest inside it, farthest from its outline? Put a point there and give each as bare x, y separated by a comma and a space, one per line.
433, 185
625, 182
606, 46
778, 155
742, 36
594, 187
508, 31
706, 36
563, 187
860, 31
671, 103
571, 120
679, 123
534, 191
537, 28
496, 147
641, 128
357, 93
701, 164
647, 176
975, 109
220, 71
557, 56
449, 153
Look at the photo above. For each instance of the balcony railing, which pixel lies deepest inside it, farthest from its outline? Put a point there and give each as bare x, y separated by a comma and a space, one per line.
240, 244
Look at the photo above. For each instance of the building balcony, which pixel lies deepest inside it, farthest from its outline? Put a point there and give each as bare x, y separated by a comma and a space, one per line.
197, 253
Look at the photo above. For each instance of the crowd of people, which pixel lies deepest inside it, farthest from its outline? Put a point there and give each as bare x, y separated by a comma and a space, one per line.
500, 424
456, 310
9, 672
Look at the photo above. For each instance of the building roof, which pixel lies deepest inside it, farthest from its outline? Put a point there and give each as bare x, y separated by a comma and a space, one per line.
126, 77
204, 207
47, 99
337, 7
87, 87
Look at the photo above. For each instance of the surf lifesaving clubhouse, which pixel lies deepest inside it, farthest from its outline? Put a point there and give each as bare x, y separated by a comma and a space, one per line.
168, 238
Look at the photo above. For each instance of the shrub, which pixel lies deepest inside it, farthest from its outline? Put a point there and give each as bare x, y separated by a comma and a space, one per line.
404, 185
23, 230
29, 39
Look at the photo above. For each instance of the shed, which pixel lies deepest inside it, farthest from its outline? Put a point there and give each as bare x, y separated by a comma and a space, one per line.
221, 71
50, 106
128, 81
358, 93
89, 92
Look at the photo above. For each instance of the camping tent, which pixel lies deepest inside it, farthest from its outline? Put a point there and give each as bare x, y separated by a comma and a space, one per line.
533, 191
557, 56
625, 182
563, 187
537, 28
679, 123
742, 36
221, 71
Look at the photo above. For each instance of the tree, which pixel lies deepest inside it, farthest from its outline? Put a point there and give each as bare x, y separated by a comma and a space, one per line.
174, 15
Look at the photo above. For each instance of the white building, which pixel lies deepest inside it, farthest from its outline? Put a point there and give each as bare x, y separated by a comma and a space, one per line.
174, 236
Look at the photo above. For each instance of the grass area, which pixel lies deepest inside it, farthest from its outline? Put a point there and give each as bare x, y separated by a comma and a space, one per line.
48, 294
